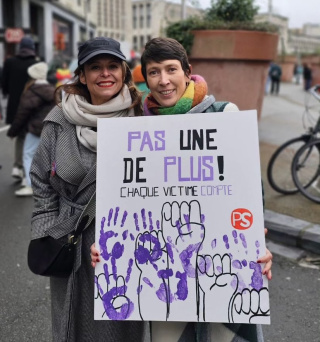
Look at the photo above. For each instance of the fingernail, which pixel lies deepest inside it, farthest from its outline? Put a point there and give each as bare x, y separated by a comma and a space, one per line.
97, 254
98, 260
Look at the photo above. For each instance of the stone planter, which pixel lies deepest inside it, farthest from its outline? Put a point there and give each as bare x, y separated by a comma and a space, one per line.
235, 64
287, 64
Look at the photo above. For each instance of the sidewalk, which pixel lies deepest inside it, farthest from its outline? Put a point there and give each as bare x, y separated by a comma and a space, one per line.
291, 219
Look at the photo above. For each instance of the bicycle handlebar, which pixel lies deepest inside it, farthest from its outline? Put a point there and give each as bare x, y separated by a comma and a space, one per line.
315, 91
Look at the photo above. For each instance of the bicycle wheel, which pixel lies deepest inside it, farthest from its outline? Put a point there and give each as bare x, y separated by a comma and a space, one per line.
279, 167
306, 170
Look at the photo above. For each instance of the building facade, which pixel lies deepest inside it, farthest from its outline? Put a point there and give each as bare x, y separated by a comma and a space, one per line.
305, 40
57, 26
282, 23
311, 30
114, 19
151, 18
300, 43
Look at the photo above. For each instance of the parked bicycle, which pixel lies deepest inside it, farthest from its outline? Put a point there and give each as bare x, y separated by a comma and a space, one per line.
295, 165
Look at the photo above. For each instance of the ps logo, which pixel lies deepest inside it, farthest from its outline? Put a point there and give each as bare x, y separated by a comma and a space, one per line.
241, 218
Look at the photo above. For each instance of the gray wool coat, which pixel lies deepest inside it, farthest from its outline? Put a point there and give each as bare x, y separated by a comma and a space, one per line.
63, 176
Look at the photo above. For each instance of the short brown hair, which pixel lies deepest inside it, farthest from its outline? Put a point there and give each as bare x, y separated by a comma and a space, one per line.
161, 49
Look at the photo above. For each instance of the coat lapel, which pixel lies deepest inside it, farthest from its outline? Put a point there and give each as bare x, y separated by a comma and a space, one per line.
88, 179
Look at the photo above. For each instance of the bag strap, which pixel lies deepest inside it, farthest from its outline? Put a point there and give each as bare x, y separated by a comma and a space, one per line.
220, 105
87, 216
202, 106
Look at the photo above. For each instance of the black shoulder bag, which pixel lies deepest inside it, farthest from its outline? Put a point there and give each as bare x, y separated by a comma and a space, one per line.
49, 257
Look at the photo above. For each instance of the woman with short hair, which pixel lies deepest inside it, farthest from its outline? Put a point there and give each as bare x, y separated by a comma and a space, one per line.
175, 90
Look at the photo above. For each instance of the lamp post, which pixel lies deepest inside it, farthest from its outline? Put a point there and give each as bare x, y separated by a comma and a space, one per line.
269, 10
86, 9
183, 10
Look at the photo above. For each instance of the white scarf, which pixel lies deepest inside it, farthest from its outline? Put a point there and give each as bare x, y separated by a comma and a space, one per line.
84, 115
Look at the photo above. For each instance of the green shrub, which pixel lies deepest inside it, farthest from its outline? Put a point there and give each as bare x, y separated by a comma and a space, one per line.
232, 10
222, 15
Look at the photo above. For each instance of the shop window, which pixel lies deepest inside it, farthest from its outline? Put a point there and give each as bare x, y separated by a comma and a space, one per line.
141, 42
134, 19
135, 43
62, 36
148, 8
111, 13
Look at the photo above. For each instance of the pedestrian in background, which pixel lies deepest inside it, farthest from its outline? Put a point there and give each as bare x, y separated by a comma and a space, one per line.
63, 176
298, 70
35, 103
268, 81
307, 76
63, 74
139, 81
275, 73
14, 79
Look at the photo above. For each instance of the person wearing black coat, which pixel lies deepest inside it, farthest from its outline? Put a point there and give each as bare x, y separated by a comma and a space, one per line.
307, 76
14, 79
36, 102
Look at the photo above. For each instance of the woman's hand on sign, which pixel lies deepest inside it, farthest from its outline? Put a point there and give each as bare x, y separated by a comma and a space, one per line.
95, 255
267, 260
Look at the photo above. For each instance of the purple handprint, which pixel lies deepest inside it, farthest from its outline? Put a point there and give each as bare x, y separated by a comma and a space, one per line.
151, 259
111, 285
111, 289
256, 278
110, 247
183, 231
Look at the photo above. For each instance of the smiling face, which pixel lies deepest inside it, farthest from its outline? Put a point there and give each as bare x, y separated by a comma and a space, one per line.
103, 75
166, 81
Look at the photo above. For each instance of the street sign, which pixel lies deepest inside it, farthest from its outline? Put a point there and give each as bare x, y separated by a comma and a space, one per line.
13, 35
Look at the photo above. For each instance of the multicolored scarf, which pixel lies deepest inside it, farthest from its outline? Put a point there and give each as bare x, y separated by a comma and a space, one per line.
193, 95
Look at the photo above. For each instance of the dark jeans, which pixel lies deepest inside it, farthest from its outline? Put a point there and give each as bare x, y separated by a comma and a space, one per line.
307, 84
275, 85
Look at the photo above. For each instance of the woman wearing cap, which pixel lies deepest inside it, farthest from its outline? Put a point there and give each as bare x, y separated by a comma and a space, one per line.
63, 177
35, 103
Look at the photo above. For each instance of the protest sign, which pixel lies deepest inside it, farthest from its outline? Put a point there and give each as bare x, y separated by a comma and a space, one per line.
179, 219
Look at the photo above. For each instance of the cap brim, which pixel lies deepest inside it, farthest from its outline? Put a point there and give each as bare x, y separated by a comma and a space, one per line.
100, 52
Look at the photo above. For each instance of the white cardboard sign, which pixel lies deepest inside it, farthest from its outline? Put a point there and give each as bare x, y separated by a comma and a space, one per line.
179, 219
